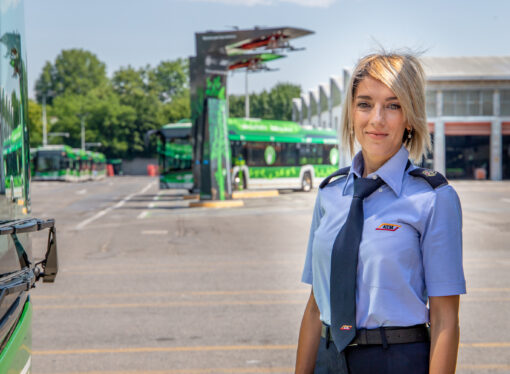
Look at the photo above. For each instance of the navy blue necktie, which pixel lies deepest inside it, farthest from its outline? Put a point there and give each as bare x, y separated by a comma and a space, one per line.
344, 264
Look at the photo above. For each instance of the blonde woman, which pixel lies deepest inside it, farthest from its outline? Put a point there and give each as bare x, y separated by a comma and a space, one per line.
384, 257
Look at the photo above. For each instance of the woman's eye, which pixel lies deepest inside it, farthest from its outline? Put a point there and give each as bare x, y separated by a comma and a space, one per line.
394, 106
363, 105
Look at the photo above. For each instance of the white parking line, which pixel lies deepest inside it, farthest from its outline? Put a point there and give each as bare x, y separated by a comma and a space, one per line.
101, 213
154, 232
145, 213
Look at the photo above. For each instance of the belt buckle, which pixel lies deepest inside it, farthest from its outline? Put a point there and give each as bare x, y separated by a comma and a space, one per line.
353, 345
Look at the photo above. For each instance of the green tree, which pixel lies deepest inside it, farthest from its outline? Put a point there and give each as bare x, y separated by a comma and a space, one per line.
34, 123
75, 71
170, 79
280, 98
260, 106
136, 91
106, 120
275, 104
178, 108
236, 106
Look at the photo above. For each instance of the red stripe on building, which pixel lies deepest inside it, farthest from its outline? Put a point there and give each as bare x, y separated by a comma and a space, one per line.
505, 128
467, 128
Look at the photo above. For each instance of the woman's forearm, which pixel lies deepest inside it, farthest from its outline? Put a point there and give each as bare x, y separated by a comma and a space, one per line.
444, 335
309, 338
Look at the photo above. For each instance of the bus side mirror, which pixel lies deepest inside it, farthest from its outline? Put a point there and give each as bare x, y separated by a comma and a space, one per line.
20, 226
50, 264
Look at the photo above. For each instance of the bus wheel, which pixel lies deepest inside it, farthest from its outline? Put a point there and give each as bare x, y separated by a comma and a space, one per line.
239, 183
306, 182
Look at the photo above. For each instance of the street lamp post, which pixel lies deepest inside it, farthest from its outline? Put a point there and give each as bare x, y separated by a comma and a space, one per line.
64, 134
82, 132
44, 122
246, 97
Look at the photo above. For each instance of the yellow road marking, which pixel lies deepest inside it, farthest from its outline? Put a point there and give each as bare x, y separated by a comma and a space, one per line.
148, 271
162, 294
215, 348
471, 299
485, 259
485, 366
166, 349
488, 289
487, 345
167, 305
272, 370
194, 265
487, 265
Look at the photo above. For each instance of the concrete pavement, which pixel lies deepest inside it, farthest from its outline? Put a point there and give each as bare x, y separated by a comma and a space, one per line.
147, 285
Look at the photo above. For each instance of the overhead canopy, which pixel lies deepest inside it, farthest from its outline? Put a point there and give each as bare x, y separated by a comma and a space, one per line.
253, 61
239, 41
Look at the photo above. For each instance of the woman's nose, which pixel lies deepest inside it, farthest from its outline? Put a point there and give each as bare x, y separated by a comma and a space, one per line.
377, 115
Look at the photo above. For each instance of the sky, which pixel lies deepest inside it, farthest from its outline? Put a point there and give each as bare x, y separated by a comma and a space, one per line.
137, 33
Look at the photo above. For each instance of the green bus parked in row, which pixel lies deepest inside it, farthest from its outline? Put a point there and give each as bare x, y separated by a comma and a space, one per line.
20, 266
264, 154
63, 163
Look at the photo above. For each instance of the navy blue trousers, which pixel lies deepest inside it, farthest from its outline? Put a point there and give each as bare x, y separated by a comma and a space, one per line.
373, 359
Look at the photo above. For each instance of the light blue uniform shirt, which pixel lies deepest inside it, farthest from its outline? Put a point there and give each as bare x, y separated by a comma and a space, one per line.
411, 246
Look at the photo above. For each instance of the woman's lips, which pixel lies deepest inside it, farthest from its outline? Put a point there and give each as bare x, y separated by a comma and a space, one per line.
376, 135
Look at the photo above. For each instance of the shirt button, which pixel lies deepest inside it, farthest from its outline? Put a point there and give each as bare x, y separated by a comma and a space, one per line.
380, 189
374, 177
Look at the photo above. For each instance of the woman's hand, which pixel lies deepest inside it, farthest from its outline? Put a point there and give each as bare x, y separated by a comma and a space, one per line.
309, 338
444, 333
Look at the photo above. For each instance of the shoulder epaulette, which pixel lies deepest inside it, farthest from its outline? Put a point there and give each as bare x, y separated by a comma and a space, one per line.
432, 177
338, 173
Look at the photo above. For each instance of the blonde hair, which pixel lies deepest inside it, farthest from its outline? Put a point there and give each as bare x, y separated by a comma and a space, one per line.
404, 75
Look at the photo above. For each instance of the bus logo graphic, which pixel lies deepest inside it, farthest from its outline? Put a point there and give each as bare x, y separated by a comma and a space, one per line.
346, 327
388, 227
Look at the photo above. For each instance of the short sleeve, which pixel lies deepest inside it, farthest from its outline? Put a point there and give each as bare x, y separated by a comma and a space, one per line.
442, 245
307, 271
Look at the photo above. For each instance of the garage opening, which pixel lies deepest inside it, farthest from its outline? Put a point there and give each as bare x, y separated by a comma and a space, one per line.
467, 157
506, 157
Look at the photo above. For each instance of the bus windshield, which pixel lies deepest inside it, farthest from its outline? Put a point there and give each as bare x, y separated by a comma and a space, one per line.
178, 153
49, 161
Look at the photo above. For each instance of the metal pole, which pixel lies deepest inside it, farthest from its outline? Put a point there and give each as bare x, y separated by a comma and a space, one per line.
82, 133
44, 123
246, 97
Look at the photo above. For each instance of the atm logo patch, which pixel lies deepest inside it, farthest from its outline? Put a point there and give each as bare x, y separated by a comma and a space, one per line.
388, 227
346, 327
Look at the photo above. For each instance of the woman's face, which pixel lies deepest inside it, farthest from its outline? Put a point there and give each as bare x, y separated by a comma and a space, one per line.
379, 123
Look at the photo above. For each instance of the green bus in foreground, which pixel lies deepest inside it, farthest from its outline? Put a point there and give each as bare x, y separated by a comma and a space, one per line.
63, 163
264, 154
20, 266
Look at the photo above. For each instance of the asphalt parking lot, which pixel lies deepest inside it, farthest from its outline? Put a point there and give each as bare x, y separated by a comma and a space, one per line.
148, 285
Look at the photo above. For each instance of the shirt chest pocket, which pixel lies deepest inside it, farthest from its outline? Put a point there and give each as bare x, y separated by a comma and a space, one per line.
389, 255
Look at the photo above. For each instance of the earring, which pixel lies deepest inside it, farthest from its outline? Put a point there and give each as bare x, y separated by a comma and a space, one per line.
409, 134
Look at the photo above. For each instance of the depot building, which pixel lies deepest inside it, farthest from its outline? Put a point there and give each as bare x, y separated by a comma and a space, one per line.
468, 111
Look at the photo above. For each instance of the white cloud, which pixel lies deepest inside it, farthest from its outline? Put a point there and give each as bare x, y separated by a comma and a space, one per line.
6, 4
305, 3
312, 3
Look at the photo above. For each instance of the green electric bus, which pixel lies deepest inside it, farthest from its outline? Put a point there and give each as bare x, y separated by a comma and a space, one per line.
264, 154
98, 165
63, 163
20, 267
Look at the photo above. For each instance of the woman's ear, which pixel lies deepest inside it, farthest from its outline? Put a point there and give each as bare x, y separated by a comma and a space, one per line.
408, 134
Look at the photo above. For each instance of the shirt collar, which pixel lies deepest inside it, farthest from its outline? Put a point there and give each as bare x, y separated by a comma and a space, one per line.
392, 172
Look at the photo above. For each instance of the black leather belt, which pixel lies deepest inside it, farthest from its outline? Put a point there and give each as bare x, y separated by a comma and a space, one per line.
385, 335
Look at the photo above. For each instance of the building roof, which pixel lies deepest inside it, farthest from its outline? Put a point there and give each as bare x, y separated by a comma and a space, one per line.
466, 68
